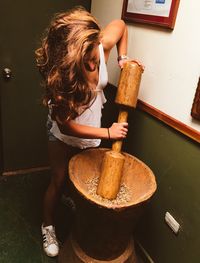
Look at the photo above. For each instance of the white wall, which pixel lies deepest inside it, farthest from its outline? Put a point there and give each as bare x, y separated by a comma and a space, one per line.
171, 58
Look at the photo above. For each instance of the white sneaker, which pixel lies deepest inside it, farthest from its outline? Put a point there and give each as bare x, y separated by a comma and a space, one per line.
50, 243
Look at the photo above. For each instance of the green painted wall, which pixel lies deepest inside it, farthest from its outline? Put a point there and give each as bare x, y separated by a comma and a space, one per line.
22, 117
174, 159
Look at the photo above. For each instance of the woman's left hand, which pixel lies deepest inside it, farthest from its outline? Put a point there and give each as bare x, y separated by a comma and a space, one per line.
122, 62
139, 63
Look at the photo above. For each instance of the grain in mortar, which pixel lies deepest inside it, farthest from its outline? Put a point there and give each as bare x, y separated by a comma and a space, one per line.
123, 196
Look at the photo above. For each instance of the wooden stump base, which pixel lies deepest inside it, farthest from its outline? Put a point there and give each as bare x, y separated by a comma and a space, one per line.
72, 253
102, 231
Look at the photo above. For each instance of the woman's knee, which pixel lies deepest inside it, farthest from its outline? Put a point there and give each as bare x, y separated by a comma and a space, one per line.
58, 179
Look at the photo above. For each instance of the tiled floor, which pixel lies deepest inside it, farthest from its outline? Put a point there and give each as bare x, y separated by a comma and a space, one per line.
21, 216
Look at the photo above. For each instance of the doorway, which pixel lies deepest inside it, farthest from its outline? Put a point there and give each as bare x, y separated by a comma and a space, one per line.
23, 141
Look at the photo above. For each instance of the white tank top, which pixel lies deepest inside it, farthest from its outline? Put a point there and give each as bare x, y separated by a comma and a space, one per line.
92, 115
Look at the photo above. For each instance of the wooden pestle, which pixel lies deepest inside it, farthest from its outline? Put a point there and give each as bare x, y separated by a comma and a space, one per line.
113, 161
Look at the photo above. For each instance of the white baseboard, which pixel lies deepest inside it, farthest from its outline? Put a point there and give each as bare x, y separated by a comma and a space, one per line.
143, 253
26, 171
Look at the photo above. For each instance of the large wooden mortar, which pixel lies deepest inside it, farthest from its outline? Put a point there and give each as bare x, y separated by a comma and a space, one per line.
103, 230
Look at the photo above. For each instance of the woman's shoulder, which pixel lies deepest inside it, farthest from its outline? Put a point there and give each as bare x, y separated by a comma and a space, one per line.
111, 34
114, 28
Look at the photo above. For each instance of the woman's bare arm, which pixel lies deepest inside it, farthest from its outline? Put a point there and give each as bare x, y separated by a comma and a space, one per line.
116, 131
115, 33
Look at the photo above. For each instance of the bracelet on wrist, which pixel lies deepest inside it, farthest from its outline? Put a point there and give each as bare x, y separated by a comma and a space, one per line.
108, 133
122, 57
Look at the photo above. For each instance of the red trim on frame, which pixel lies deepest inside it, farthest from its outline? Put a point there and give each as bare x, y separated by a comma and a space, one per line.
167, 22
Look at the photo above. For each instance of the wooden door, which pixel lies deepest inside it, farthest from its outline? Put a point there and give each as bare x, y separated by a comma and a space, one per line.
23, 134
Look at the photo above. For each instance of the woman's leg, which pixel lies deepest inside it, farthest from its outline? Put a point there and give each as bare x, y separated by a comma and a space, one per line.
59, 156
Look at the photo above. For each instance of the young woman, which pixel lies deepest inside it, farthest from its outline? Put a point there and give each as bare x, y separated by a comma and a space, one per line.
72, 60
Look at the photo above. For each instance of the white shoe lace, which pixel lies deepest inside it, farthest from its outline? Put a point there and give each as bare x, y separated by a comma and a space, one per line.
49, 238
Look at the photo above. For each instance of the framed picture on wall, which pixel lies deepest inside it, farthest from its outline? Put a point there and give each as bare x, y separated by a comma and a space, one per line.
155, 12
195, 111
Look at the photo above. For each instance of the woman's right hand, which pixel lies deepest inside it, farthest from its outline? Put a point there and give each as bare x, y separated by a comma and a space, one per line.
118, 131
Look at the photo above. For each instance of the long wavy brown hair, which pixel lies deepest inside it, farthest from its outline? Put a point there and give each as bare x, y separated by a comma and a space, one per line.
69, 38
